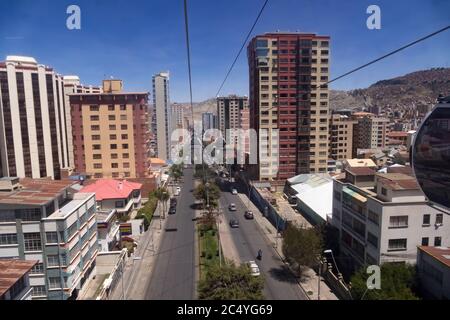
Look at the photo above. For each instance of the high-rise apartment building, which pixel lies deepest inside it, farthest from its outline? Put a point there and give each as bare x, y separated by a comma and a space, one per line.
72, 85
34, 139
370, 131
177, 116
49, 222
288, 96
341, 137
209, 121
110, 131
161, 116
229, 115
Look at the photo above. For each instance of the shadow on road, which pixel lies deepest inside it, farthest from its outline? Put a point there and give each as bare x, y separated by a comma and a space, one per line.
282, 274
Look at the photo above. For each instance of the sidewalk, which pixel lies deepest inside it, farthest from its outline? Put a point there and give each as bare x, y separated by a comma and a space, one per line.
310, 281
140, 264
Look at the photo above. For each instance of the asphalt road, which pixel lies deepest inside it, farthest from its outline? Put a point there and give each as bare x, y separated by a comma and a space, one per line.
174, 273
279, 281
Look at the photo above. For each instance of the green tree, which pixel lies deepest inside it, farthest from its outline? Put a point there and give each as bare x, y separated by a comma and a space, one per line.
398, 282
176, 172
301, 247
208, 193
204, 172
231, 283
162, 194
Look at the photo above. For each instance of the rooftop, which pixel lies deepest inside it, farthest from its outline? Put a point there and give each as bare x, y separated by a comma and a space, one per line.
397, 134
35, 191
111, 189
354, 163
70, 206
441, 254
398, 181
21, 59
11, 271
361, 171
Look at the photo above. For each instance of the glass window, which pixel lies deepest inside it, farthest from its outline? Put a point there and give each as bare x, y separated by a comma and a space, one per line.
426, 219
54, 282
439, 218
119, 204
37, 269
397, 244
32, 241
372, 239
398, 222
8, 238
425, 241
112, 127
111, 117
38, 291
111, 107
51, 237
437, 241
94, 108
52, 260
113, 146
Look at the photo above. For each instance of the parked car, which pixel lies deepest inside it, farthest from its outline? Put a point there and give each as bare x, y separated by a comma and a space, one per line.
173, 202
234, 191
232, 207
173, 210
248, 215
254, 269
234, 223
177, 191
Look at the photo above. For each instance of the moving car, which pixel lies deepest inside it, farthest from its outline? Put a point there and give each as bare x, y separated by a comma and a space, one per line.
254, 269
234, 191
248, 215
232, 207
234, 223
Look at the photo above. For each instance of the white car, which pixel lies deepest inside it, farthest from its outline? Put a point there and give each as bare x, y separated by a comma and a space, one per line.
177, 191
232, 207
234, 191
254, 269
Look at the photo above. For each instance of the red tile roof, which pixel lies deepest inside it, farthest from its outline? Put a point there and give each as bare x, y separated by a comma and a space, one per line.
11, 271
111, 189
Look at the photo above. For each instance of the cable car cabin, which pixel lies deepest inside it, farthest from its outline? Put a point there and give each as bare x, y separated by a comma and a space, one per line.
431, 155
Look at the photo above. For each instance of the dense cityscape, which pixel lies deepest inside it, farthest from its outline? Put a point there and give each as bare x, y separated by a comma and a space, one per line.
288, 193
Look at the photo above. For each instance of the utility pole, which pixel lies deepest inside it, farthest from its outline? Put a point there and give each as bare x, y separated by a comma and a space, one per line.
318, 282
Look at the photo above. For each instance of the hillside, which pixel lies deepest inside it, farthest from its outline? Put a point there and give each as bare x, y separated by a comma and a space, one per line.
420, 87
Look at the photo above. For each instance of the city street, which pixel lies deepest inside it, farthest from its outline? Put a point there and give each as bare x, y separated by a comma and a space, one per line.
174, 274
280, 284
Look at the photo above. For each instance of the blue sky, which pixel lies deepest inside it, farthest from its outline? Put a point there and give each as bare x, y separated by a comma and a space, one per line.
134, 39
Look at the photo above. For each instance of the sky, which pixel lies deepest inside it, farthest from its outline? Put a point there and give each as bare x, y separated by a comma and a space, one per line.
134, 39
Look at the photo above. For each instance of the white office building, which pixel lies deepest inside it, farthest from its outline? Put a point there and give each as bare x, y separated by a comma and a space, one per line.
161, 115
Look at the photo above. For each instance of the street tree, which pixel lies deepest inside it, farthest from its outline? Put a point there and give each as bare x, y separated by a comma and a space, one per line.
301, 247
209, 193
162, 194
398, 282
229, 282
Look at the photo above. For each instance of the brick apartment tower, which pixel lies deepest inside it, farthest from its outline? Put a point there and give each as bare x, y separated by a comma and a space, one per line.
285, 69
110, 132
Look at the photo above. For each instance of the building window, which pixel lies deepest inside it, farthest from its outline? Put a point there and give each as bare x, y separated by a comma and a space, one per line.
113, 146
111, 107
372, 239
52, 260
397, 244
54, 282
425, 241
125, 146
124, 136
96, 147
439, 218
123, 126
51, 237
123, 107
123, 117
398, 222
426, 220
96, 137
125, 155
112, 127
38, 291
115, 174
126, 164
37, 269
114, 165
95, 118
127, 174
95, 127
8, 238
98, 175
97, 156
114, 156
437, 241
97, 165
383, 191
119, 204
111, 117
112, 137
94, 108
32, 241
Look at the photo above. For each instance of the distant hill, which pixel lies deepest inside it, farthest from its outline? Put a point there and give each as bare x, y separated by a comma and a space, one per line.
420, 87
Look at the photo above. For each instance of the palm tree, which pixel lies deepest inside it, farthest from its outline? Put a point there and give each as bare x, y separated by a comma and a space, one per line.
162, 194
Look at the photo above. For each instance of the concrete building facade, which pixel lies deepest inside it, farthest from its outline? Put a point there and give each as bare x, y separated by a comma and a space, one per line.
161, 117
288, 95
34, 138
111, 134
383, 217
370, 131
49, 222
341, 137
